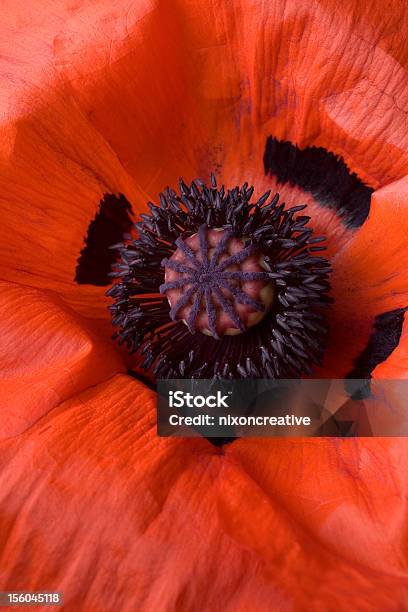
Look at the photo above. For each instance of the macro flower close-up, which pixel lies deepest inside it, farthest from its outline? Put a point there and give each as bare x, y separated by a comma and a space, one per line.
212, 189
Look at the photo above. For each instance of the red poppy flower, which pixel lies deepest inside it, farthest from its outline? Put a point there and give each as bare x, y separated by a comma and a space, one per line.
103, 105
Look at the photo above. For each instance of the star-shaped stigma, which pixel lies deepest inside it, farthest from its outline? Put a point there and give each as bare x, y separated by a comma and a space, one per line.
215, 283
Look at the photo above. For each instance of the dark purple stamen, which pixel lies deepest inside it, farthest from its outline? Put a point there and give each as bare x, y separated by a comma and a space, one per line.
290, 338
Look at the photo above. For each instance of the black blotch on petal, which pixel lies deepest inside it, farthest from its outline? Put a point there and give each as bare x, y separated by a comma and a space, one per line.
111, 222
321, 173
383, 340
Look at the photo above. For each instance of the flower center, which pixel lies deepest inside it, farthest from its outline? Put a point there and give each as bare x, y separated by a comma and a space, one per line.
215, 284
208, 259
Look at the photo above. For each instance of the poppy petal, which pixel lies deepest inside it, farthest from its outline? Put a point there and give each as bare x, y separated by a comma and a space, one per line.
84, 80
56, 167
98, 495
369, 278
305, 75
178, 523
47, 355
326, 518
371, 270
51, 189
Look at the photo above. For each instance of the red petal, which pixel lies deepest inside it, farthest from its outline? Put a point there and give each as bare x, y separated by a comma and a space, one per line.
46, 356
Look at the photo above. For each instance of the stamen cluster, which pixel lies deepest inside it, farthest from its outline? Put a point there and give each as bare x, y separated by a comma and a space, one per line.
288, 341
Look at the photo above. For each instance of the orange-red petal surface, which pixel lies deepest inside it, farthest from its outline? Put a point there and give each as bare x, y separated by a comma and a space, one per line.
370, 276
117, 97
95, 505
47, 354
344, 501
100, 98
371, 272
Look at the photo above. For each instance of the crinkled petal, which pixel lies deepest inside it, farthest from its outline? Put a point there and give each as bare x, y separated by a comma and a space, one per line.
106, 99
371, 272
343, 503
370, 277
95, 505
47, 355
